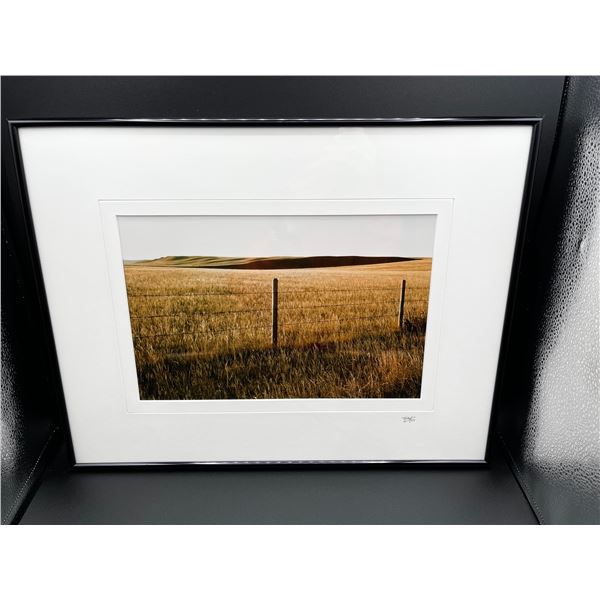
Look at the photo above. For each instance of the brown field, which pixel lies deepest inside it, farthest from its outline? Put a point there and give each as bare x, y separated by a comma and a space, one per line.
203, 333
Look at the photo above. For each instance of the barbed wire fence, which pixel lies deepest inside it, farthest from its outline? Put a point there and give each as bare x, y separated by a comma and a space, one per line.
275, 324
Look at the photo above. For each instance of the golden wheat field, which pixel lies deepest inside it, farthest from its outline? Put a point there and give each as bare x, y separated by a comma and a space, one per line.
204, 333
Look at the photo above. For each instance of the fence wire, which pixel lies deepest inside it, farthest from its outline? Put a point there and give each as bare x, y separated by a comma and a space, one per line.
268, 292
282, 309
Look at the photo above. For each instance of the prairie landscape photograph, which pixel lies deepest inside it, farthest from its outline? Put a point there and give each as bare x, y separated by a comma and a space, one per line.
276, 327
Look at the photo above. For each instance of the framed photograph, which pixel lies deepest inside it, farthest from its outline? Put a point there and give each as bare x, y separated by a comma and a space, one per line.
246, 291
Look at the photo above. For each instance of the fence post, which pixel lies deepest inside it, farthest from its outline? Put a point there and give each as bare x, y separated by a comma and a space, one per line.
274, 312
401, 306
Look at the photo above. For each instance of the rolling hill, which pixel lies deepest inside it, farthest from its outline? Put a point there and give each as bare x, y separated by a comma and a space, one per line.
271, 262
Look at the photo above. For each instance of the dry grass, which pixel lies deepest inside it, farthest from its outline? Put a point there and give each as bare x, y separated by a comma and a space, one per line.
206, 333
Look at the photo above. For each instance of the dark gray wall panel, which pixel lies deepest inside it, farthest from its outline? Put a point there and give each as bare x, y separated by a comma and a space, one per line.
551, 426
27, 415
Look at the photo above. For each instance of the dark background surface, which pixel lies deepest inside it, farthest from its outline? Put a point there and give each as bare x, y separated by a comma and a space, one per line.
401, 494
549, 415
292, 495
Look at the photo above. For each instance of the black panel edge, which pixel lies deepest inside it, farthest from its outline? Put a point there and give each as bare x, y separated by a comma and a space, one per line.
24, 214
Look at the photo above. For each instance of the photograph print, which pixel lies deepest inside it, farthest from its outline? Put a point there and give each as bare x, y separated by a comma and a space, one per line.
220, 325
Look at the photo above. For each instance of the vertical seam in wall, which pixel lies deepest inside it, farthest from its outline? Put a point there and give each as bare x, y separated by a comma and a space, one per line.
23, 489
559, 122
521, 482
518, 474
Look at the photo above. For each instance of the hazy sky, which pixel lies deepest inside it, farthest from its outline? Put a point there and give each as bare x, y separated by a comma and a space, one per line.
362, 235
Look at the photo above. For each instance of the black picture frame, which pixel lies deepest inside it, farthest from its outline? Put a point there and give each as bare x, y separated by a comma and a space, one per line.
49, 343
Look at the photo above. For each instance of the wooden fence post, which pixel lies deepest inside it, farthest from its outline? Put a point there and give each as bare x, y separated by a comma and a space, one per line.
401, 306
274, 312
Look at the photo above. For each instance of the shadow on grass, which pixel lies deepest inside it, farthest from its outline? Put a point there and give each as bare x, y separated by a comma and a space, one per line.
375, 366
